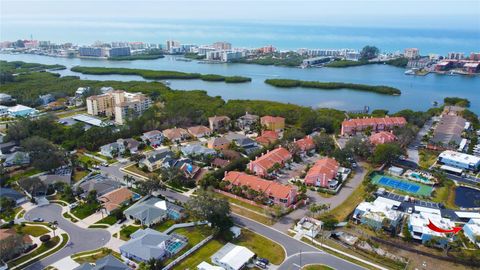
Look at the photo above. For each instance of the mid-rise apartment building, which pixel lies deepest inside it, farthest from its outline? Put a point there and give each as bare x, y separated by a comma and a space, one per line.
119, 104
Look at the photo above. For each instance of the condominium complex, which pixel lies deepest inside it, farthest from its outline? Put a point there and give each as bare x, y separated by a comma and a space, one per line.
411, 53
119, 104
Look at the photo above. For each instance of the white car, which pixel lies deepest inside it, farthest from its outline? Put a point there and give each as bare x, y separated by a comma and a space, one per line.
410, 210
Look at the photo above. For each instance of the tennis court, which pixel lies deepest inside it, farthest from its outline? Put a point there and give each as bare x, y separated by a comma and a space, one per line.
402, 185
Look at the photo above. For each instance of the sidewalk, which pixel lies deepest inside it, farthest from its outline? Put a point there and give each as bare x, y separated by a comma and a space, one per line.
90, 220
66, 263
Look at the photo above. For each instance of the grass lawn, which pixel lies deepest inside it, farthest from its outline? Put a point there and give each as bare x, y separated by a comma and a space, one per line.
202, 254
446, 195
342, 211
317, 267
44, 247
10, 215
256, 208
261, 246
194, 234
34, 231
127, 231
22, 174
427, 158
87, 160
96, 255
134, 169
164, 225
69, 217
110, 220
78, 175
252, 215
85, 209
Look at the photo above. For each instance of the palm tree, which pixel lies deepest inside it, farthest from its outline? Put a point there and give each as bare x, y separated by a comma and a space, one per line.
128, 179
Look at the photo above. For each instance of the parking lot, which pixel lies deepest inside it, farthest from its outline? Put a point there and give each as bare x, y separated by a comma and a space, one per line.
295, 169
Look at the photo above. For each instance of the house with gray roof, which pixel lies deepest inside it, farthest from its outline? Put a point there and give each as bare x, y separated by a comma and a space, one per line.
197, 149
155, 159
108, 262
16, 159
13, 195
99, 183
146, 244
152, 210
248, 121
119, 147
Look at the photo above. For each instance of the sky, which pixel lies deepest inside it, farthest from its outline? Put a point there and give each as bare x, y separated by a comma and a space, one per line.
199, 21
394, 13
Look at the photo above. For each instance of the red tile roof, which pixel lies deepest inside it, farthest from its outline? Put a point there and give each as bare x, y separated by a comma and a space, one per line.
382, 137
325, 169
113, 199
279, 155
198, 130
374, 121
268, 137
270, 188
272, 119
306, 144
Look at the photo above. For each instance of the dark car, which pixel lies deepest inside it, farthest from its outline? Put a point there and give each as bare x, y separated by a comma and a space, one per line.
38, 219
263, 260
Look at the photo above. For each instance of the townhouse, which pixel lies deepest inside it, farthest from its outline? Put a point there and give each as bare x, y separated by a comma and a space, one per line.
265, 164
323, 173
375, 124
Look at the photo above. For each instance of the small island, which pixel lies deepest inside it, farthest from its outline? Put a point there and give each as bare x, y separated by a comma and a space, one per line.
160, 74
380, 89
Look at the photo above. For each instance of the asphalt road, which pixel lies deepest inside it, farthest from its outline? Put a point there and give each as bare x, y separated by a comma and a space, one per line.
292, 246
79, 239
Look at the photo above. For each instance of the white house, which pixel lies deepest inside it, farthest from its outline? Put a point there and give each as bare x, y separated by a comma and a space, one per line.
232, 257
459, 160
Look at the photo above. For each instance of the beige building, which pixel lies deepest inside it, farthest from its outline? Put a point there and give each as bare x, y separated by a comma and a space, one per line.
119, 104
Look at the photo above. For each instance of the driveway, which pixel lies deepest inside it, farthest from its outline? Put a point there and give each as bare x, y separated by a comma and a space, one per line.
79, 239
287, 221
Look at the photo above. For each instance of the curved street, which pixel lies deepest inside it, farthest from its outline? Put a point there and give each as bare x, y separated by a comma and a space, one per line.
79, 239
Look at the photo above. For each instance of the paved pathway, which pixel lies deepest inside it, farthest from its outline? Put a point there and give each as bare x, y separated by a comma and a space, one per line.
80, 239
66, 263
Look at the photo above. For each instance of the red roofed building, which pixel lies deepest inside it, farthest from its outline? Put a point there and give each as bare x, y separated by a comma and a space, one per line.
353, 126
262, 165
382, 137
274, 123
324, 170
306, 144
268, 137
278, 193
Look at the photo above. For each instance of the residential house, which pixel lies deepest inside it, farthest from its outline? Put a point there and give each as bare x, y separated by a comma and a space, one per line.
100, 183
199, 131
247, 122
418, 226
33, 186
243, 142
13, 195
154, 160
45, 99
265, 164
152, 210
153, 138
268, 137
188, 168
232, 257
308, 226
197, 150
108, 262
274, 123
374, 124
220, 163
115, 199
277, 193
176, 134
119, 147
17, 158
382, 137
472, 231
218, 143
323, 173
21, 111
12, 243
219, 123
146, 244
459, 160
305, 145
379, 214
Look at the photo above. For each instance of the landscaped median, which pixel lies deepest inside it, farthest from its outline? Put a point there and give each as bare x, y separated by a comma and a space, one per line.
160, 74
379, 89
46, 249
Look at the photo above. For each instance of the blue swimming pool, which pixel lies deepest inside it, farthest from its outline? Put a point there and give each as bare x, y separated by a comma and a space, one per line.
396, 184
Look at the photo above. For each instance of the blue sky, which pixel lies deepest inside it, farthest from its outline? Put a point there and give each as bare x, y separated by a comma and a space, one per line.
387, 13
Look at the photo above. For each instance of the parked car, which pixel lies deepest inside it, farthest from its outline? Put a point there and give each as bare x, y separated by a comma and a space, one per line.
38, 219
261, 264
263, 260
410, 210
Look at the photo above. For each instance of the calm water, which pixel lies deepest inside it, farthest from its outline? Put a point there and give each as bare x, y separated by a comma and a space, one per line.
418, 92
467, 197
